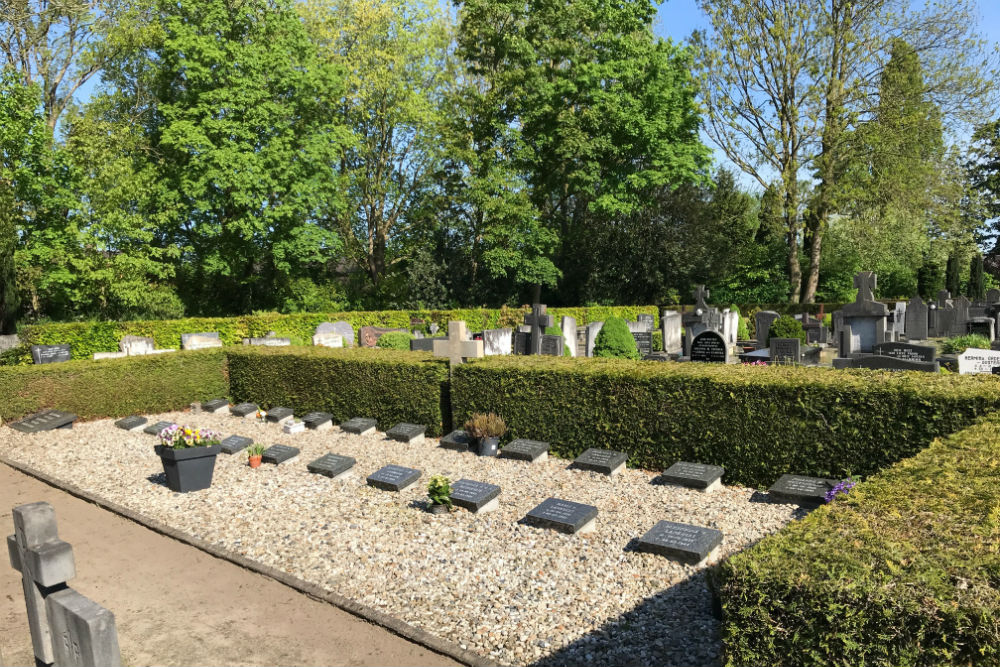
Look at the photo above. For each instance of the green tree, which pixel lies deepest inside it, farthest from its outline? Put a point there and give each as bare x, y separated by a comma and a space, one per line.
953, 272
977, 284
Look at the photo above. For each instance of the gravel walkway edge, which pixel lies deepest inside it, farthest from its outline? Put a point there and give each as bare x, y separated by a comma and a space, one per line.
391, 623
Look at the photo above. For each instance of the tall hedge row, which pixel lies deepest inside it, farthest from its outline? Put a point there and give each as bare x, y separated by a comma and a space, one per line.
115, 387
390, 385
903, 572
757, 422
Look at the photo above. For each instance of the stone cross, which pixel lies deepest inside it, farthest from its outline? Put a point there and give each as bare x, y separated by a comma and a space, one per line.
538, 320
700, 294
866, 282
457, 346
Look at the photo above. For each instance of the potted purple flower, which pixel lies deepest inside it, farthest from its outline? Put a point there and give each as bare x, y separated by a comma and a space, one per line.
188, 457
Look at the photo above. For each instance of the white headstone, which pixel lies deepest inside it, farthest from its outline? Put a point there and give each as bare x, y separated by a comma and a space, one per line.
341, 327
328, 340
670, 325
498, 341
568, 326
976, 361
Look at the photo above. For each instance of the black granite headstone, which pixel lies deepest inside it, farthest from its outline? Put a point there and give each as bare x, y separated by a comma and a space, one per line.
331, 465
408, 433
45, 421
801, 490
318, 421
359, 425
680, 541
278, 415
562, 515
50, 354
693, 475
522, 343
154, 429
525, 450
243, 409
710, 346
279, 454
644, 342
133, 423
473, 495
393, 478
215, 405
458, 440
785, 350
605, 461
235, 443
878, 362
906, 351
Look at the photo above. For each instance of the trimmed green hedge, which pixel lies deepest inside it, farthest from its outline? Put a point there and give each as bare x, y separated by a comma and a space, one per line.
757, 422
904, 571
114, 387
390, 385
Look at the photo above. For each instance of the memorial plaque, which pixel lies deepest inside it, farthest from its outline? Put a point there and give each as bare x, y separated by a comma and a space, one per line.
475, 496
279, 454
563, 515
785, 350
200, 341
552, 345
51, 354
680, 541
906, 351
359, 426
710, 346
318, 421
235, 443
883, 363
393, 478
155, 429
974, 361
605, 461
244, 410
215, 406
328, 340
694, 475
801, 490
331, 465
408, 433
526, 450
131, 423
45, 421
279, 415
646, 319
644, 342
340, 328
458, 440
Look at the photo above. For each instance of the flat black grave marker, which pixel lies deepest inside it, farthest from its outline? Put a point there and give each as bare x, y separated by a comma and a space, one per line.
45, 421
279, 415
235, 443
606, 461
563, 515
133, 423
694, 475
318, 421
154, 429
526, 450
331, 465
50, 354
216, 405
680, 541
408, 433
279, 454
475, 496
802, 490
359, 426
244, 410
393, 478
458, 440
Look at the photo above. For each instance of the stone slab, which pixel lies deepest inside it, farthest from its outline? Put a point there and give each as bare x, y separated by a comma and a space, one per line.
458, 440
244, 410
332, 465
318, 421
681, 541
408, 433
215, 406
83, 632
605, 461
393, 478
526, 450
359, 425
235, 443
694, 475
801, 490
474, 496
293, 426
133, 423
564, 516
155, 429
277, 454
279, 415
47, 420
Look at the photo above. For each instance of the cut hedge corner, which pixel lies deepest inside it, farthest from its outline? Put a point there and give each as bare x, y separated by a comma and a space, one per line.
904, 571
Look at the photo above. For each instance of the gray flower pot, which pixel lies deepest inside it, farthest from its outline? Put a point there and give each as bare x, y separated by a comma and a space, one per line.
488, 446
188, 469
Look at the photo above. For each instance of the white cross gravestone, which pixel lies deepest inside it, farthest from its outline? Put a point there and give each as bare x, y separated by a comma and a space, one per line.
66, 628
457, 346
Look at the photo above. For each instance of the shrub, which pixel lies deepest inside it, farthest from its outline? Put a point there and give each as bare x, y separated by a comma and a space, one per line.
389, 385
395, 340
960, 344
742, 330
657, 340
757, 422
787, 326
902, 571
557, 331
615, 340
487, 425
439, 490
114, 387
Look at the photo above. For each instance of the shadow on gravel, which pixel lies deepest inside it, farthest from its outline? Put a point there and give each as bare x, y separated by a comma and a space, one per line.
674, 628
159, 479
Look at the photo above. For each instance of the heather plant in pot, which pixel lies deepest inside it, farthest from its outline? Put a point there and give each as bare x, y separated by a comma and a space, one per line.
188, 457
485, 431
439, 493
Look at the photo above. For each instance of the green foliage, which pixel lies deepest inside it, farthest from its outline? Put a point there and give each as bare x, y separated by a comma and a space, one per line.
742, 330
439, 490
615, 340
787, 326
977, 283
95, 389
900, 573
389, 385
952, 278
488, 425
959, 344
255, 450
395, 340
758, 423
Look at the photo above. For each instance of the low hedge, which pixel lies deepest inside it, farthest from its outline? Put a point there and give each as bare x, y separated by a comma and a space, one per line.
757, 422
904, 571
114, 387
390, 385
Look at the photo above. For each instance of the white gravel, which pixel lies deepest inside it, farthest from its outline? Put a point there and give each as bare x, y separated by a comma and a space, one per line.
490, 583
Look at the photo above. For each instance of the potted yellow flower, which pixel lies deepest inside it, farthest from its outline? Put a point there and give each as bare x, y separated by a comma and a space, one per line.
188, 457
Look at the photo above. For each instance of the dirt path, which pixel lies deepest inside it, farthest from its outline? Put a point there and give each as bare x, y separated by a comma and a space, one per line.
176, 605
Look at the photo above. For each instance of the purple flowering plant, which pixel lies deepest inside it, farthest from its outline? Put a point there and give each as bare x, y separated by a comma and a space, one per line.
182, 437
755, 363
842, 487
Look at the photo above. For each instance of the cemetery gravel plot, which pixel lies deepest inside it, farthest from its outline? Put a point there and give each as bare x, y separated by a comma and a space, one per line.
490, 583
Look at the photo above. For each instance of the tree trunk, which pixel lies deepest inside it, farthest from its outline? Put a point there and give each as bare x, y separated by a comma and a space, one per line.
790, 206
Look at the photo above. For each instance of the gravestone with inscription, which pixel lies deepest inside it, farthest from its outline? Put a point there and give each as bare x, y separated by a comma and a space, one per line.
581, 341
137, 346
340, 328
563, 515
477, 497
269, 340
906, 351
157, 428
976, 361
709, 346
200, 341
458, 440
359, 425
604, 461
785, 350
648, 320
393, 478
134, 423
552, 345
801, 490
865, 318
458, 346
47, 420
699, 476
277, 454
235, 443
332, 465
526, 450
279, 415
244, 410
885, 363
643, 342
318, 421
670, 328
215, 406
681, 541
411, 434
51, 354
538, 320
328, 340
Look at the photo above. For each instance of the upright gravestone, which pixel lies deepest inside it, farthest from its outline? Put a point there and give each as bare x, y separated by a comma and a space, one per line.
960, 308
899, 319
581, 341
730, 325
993, 296
538, 320
786, 350
339, 328
763, 320
906, 351
593, 329
137, 346
648, 320
703, 317
976, 361
200, 341
670, 327
568, 326
710, 346
866, 318
51, 354
552, 345
497, 342
983, 326
916, 319
369, 335
643, 342
271, 339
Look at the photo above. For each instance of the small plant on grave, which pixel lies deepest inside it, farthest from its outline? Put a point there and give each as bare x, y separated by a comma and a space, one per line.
787, 326
183, 437
960, 344
255, 450
439, 491
261, 416
395, 340
841, 488
485, 425
615, 340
